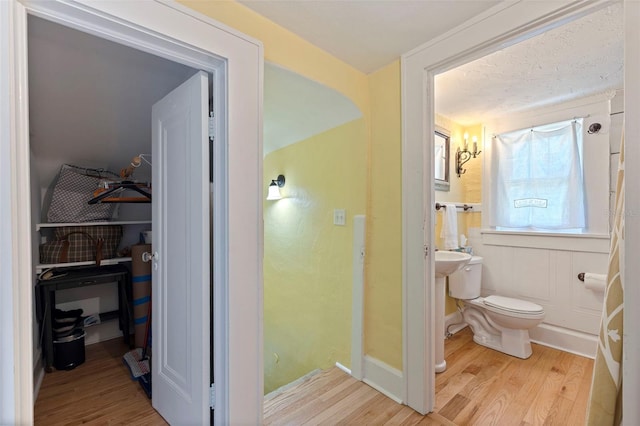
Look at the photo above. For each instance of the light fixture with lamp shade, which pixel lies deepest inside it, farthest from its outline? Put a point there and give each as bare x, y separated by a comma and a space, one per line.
274, 188
464, 155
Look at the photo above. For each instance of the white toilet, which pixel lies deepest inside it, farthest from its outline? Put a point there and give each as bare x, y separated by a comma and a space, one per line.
497, 322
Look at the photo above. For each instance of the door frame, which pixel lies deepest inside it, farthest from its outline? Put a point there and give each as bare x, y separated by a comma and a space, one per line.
501, 26
177, 33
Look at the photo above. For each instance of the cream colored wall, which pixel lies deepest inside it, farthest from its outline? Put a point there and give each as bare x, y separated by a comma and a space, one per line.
308, 259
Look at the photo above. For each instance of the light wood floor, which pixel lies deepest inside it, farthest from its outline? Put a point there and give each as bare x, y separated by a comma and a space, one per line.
480, 387
98, 392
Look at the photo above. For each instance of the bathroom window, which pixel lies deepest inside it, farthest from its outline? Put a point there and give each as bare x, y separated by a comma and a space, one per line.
537, 179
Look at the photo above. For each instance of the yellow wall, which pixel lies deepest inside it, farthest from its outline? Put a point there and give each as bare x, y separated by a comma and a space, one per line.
468, 187
456, 132
325, 259
455, 193
465, 189
472, 180
308, 259
378, 97
383, 264
284, 48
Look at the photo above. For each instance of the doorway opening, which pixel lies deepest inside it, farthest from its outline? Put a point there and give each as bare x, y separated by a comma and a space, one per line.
502, 26
98, 106
178, 33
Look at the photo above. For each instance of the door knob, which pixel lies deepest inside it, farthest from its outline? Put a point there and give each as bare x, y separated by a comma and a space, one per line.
146, 256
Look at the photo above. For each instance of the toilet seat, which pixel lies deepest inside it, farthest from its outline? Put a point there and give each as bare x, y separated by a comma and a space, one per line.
513, 307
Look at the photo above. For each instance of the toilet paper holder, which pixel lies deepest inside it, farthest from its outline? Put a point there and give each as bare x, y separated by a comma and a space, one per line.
581, 276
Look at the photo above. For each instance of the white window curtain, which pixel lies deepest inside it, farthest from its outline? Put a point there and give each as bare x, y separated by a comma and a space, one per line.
537, 178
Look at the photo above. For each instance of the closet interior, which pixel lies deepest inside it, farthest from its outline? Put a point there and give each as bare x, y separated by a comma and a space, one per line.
90, 105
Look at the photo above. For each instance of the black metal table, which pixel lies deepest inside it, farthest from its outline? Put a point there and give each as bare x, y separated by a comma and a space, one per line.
82, 277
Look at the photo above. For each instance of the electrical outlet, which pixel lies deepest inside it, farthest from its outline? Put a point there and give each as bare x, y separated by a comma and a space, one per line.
339, 217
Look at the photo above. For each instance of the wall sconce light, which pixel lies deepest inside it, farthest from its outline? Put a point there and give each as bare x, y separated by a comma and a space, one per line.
274, 188
464, 155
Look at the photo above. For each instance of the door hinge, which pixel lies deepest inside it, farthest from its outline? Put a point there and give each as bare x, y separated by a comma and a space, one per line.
212, 396
426, 251
211, 126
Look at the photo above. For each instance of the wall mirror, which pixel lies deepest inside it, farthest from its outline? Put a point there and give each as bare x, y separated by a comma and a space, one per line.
441, 160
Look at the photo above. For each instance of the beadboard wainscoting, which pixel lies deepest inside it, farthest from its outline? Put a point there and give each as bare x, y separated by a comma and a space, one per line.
544, 270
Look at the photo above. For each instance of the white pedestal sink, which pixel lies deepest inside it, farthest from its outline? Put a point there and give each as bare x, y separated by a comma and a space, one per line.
447, 262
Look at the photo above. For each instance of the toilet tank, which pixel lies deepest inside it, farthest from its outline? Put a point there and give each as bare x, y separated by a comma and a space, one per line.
465, 283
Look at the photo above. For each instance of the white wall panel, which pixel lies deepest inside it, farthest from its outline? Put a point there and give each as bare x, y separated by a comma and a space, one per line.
497, 269
534, 276
546, 277
586, 299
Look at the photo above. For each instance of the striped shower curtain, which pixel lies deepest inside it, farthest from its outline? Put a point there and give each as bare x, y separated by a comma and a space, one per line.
605, 402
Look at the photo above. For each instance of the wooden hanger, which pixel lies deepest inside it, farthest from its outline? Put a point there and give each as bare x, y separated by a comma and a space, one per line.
108, 195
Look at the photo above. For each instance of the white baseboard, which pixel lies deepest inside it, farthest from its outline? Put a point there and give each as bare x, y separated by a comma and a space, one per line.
343, 368
288, 386
571, 341
454, 322
560, 338
383, 378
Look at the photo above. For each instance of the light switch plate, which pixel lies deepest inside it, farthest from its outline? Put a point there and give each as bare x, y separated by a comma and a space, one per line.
339, 217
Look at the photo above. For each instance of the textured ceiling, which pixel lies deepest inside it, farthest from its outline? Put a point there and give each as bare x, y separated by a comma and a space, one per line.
581, 58
576, 60
368, 34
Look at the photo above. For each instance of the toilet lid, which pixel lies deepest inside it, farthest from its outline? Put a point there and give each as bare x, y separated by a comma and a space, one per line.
513, 305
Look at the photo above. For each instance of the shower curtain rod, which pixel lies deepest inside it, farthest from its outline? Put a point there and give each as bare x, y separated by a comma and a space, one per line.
493, 135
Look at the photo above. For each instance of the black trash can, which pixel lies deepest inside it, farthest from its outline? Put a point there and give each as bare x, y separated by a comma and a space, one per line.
68, 352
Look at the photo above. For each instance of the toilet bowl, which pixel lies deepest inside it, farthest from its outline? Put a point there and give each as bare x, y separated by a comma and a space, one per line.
498, 322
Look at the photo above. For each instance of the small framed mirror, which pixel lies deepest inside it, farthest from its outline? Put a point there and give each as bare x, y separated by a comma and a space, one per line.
441, 141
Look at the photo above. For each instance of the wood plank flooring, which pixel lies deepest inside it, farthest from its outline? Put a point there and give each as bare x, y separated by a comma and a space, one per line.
480, 387
97, 392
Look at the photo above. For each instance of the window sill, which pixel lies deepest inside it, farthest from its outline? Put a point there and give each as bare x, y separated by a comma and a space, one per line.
594, 243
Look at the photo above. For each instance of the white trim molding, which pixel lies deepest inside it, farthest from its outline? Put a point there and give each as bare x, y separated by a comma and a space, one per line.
564, 339
357, 298
453, 323
343, 368
383, 378
590, 243
631, 242
504, 25
173, 31
18, 276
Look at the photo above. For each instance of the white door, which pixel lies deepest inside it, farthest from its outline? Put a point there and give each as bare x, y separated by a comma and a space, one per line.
180, 292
